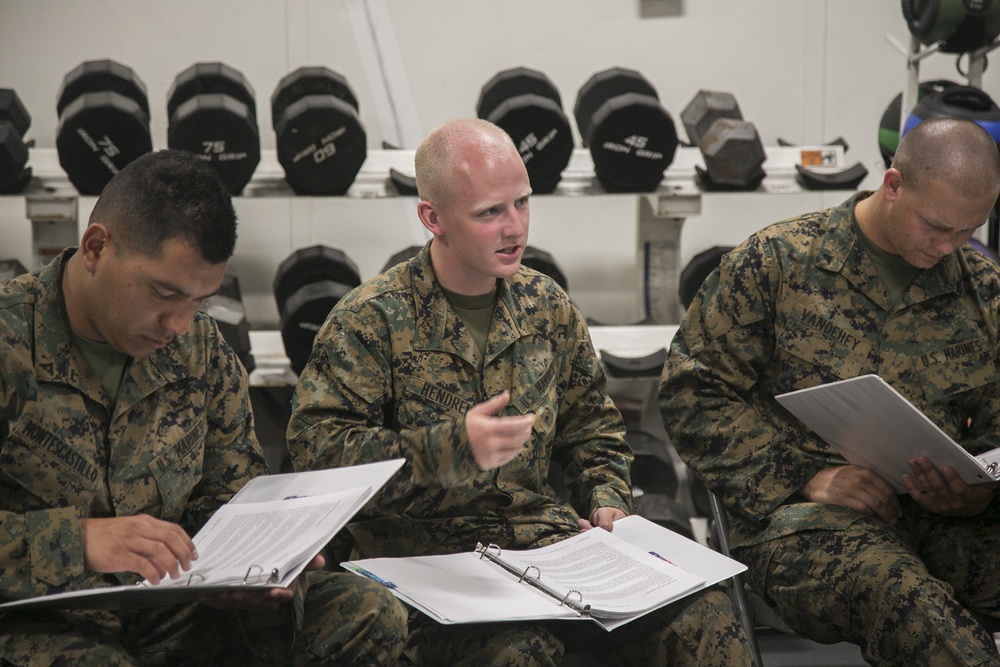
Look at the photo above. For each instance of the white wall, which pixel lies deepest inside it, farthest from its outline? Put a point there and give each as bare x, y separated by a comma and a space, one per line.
806, 71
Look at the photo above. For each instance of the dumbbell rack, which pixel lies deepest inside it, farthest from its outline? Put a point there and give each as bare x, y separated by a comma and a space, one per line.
660, 214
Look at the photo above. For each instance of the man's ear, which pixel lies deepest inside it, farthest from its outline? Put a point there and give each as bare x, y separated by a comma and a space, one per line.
892, 181
94, 243
429, 217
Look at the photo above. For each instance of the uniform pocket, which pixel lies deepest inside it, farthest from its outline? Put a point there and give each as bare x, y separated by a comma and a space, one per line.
47, 465
178, 469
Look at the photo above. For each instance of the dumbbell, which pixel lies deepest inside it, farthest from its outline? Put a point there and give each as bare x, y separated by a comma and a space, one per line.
631, 137
526, 104
409, 252
698, 269
211, 112
321, 143
307, 285
103, 123
14, 122
11, 268
730, 146
543, 262
226, 308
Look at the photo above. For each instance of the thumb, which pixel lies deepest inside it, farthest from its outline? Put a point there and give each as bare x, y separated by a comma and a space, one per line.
493, 405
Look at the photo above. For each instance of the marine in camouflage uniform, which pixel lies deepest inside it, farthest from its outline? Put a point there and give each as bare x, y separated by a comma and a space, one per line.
176, 444
394, 373
801, 304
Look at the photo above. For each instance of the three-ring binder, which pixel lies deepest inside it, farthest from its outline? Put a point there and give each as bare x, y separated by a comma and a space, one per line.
492, 553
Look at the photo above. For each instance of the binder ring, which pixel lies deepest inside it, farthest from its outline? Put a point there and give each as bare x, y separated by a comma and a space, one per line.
538, 574
566, 601
491, 550
246, 577
191, 577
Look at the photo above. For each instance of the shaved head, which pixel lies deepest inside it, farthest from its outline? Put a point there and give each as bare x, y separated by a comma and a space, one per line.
959, 152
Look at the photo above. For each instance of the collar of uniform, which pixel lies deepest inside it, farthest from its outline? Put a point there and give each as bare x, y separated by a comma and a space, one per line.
842, 252
55, 360
436, 323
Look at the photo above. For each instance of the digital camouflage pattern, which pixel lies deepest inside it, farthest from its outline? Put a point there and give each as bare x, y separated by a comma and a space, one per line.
800, 304
178, 443
393, 372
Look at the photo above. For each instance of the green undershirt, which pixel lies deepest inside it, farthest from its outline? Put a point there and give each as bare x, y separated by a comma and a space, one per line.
476, 313
896, 273
107, 363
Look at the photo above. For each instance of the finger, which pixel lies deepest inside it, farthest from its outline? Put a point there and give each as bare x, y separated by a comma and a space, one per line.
493, 405
584, 525
317, 563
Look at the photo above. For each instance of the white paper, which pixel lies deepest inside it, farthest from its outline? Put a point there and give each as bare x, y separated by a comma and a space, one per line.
276, 522
603, 567
870, 424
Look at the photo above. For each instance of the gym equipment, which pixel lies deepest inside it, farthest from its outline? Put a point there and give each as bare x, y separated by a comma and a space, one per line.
631, 137
103, 123
11, 268
733, 155
226, 308
526, 104
730, 146
406, 253
307, 285
543, 262
959, 25
14, 122
699, 268
846, 179
706, 107
888, 128
212, 113
958, 102
320, 140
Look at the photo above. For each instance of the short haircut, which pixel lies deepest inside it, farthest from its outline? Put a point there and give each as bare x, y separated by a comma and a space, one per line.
434, 159
165, 195
957, 151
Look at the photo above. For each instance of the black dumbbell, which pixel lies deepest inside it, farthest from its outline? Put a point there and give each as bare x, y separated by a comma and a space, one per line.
14, 122
730, 146
320, 141
212, 112
526, 104
103, 123
226, 308
698, 269
409, 252
543, 262
631, 137
307, 285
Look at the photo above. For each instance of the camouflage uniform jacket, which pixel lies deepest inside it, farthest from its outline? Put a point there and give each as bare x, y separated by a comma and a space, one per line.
800, 304
178, 443
392, 374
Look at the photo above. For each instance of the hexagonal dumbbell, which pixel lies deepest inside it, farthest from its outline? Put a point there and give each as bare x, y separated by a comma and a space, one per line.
14, 123
704, 109
212, 112
307, 285
321, 143
631, 137
226, 308
103, 123
733, 155
526, 104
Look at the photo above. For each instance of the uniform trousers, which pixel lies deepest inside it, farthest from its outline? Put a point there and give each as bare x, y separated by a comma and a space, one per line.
342, 619
699, 630
921, 592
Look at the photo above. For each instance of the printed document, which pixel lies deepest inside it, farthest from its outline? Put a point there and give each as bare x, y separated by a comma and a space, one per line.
872, 425
610, 578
